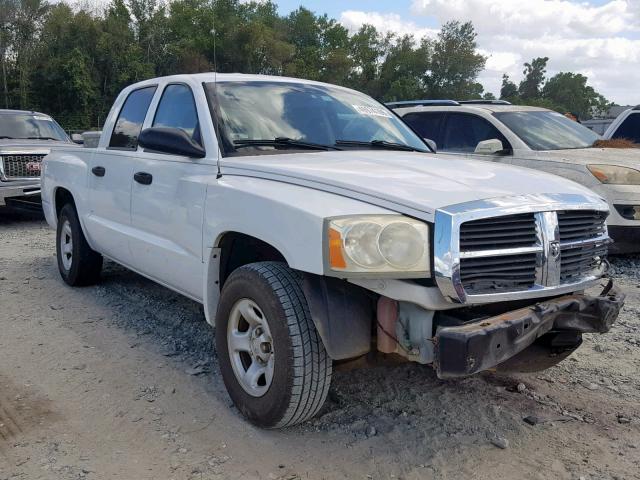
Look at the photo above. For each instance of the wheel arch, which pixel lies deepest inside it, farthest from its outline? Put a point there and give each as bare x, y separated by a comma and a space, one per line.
231, 250
62, 196
343, 313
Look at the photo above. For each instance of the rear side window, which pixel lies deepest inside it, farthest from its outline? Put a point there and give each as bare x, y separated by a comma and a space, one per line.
463, 132
125, 133
630, 128
177, 109
427, 125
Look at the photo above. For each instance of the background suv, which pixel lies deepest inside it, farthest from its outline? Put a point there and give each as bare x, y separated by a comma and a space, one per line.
540, 139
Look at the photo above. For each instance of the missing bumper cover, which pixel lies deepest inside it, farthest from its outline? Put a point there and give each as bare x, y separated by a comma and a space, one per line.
473, 347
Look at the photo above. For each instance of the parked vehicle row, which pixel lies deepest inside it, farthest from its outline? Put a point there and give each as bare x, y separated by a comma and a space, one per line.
315, 226
25, 139
540, 139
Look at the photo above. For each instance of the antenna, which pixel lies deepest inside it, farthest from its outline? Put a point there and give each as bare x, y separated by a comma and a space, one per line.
215, 90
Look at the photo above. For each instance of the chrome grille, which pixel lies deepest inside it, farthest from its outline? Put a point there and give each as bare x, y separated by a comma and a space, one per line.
492, 233
21, 165
580, 256
481, 270
530, 251
496, 274
578, 225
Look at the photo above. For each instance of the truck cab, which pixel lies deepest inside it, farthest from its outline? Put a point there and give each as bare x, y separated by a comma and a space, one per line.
315, 227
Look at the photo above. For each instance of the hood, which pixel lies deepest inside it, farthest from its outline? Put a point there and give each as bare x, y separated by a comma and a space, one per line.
628, 157
20, 145
421, 182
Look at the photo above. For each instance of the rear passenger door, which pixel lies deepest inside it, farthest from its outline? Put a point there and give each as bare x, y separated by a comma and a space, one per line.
167, 200
108, 223
629, 128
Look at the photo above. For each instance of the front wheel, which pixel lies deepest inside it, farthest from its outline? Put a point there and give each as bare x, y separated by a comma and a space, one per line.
272, 359
77, 262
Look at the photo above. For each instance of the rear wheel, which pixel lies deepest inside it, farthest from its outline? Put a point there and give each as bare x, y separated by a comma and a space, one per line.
77, 262
272, 359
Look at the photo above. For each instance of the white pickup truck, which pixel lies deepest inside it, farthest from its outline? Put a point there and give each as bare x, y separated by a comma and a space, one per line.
316, 227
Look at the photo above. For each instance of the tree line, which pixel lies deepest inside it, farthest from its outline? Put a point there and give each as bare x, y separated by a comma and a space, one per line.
71, 62
565, 92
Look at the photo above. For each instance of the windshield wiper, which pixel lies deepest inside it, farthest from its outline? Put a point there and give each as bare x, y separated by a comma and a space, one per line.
6, 136
41, 138
380, 144
283, 142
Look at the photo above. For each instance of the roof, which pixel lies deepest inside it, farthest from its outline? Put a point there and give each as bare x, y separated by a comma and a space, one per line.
4, 111
230, 77
470, 107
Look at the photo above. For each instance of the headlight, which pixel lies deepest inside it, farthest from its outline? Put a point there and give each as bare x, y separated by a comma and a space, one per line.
615, 175
378, 244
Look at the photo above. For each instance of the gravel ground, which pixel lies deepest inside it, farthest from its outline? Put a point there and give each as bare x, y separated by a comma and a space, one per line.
120, 381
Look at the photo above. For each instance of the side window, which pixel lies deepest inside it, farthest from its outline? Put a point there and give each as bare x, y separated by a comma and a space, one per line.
464, 131
177, 109
427, 125
630, 128
129, 123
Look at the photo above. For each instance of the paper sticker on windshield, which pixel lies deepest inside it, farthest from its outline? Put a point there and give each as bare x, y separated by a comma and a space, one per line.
39, 117
373, 111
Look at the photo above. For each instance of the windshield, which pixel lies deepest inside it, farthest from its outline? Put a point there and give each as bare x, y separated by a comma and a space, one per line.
294, 113
30, 126
546, 130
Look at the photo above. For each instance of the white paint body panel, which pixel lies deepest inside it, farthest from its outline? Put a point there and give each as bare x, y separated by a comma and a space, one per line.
169, 230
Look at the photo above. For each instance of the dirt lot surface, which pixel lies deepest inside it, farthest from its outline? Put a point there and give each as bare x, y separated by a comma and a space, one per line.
120, 381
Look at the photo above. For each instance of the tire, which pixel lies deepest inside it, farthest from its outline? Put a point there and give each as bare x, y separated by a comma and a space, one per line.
78, 264
270, 295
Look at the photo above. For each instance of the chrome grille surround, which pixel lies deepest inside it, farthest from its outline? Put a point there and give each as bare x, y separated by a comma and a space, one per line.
583, 255
14, 165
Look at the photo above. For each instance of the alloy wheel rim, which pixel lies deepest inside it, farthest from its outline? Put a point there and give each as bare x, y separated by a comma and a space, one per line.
250, 347
66, 245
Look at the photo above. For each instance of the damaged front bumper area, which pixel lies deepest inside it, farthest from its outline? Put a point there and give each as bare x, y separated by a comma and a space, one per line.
480, 345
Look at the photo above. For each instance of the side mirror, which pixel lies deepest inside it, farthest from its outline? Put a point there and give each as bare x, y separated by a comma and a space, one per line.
170, 140
489, 147
432, 145
77, 138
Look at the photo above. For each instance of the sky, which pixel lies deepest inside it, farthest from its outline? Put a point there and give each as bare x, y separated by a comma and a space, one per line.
598, 38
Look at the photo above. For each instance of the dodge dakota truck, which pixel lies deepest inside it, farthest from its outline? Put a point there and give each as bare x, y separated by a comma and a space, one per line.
316, 227
25, 139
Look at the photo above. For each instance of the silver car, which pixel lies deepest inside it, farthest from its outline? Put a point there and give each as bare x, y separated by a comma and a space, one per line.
25, 139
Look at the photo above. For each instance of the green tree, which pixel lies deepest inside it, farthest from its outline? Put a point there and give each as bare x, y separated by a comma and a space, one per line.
65, 80
570, 92
509, 90
455, 63
403, 71
534, 76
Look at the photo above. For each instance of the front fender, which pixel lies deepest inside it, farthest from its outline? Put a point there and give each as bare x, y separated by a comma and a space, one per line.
288, 217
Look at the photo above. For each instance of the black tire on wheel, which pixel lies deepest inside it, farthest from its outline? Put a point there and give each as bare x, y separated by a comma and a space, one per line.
78, 264
301, 372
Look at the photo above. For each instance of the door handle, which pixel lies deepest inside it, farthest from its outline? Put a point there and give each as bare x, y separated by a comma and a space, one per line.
143, 178
98, 171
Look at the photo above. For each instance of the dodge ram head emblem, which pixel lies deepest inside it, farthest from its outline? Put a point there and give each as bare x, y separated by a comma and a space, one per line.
33, 167
554, 249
